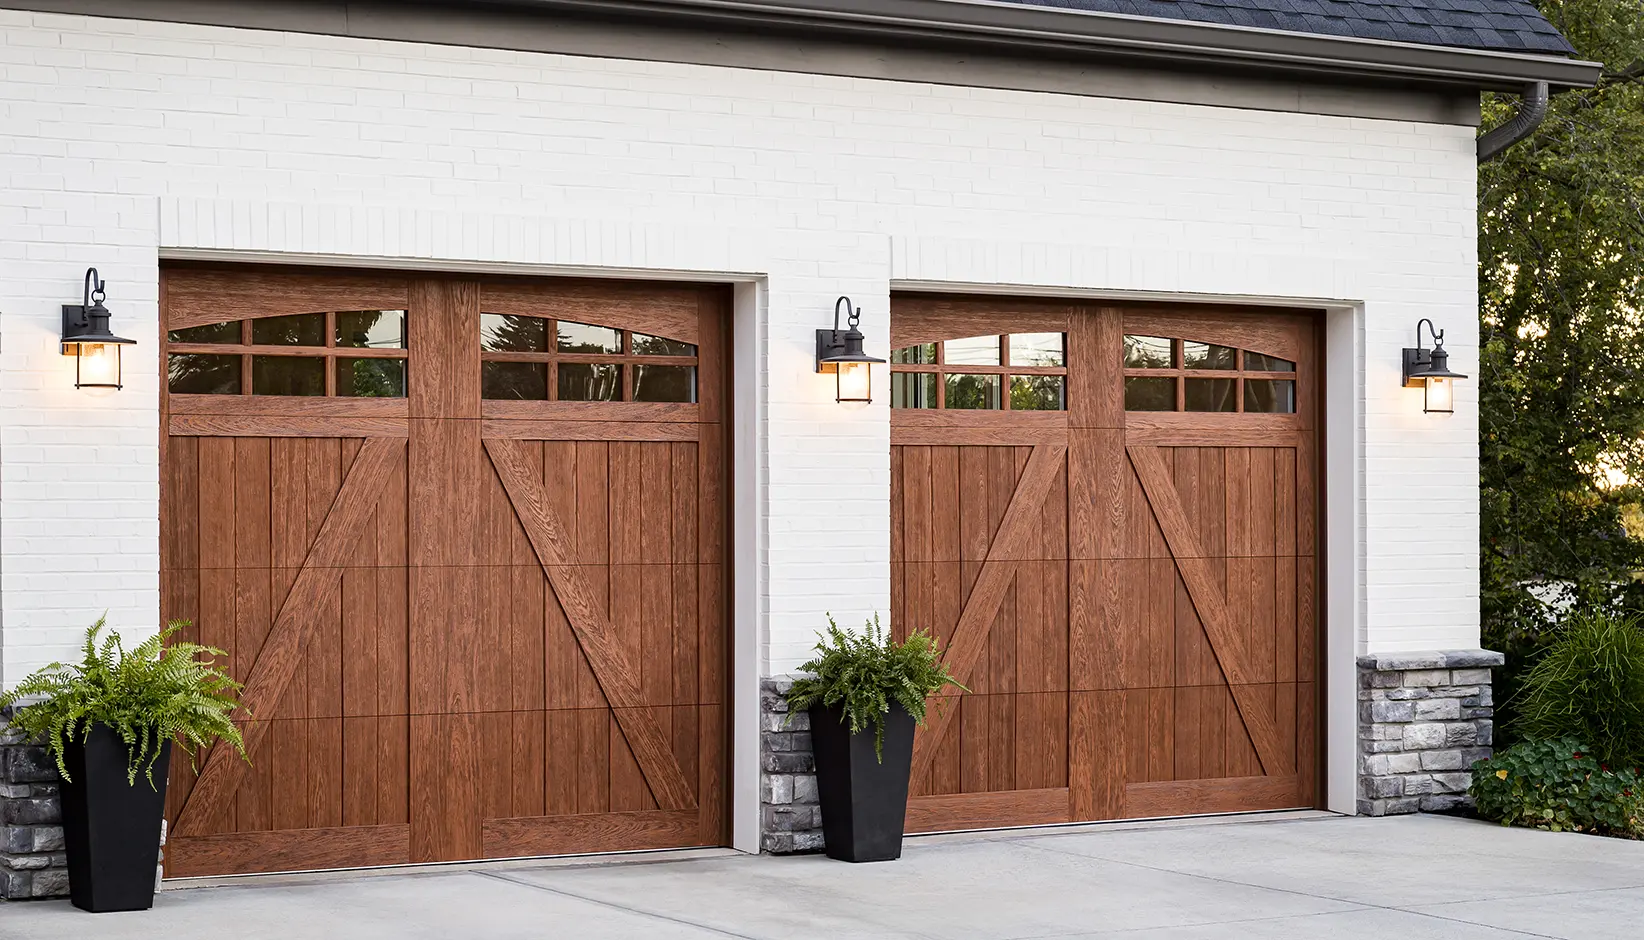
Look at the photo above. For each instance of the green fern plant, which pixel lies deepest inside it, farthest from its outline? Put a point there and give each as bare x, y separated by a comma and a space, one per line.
863, 673
148, 695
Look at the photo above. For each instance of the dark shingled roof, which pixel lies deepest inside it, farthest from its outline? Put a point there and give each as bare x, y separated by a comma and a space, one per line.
1499, 25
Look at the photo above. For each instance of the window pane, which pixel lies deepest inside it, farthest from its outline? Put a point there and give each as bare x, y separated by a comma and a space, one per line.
1270, 396
371, 378
582, 338
913, 389
1038, 392
1209, 395
587, 381
659, 383
972, 351
645, 345
515, 381
377, 329
501, 332
210, 333
1148, 352
1258, 362
922, 355
300, 329
1037, 349
973, 391
1207, 356
200, 374
1150, 394
287, 375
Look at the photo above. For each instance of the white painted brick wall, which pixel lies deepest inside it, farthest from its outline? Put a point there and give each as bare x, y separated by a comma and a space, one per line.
119, 139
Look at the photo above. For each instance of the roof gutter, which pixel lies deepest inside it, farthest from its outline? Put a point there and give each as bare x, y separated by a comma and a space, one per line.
1111, 35
1532, 109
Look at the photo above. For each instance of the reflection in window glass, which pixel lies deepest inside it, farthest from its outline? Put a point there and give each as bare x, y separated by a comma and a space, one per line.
287, 375
922, 355
514, 381
971, 351
201, 374
646, 345
1037, 349
1259, 362
1038, 392
300, 329
372, 329
1150, 394
503, 332
1270, 396
587, 381
584, 338
1209, 395
913, 389
1148, 352
661, 383
209, 333
973, 391
1207, 356
371, 378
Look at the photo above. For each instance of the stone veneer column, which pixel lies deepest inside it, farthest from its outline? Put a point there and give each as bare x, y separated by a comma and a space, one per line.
790, 815
32, 862
1424, 718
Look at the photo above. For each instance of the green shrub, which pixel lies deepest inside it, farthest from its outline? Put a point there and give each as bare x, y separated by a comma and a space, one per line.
149, 695
1559, 786
863, 673
1589, 685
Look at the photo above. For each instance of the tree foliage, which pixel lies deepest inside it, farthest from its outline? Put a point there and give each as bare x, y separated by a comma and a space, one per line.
1561, 285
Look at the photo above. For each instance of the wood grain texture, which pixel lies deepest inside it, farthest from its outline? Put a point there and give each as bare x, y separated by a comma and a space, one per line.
970, 634
960, 811
315, 588
592, 832
618, 677
957, 435
659, 309
287, 850
605, 412
203, 425
286, 406
1210, 602
1220, 795
197, 296
525, 429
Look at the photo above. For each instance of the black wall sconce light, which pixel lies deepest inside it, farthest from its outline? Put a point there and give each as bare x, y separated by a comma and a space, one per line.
1430, 369
840, 352
86, 337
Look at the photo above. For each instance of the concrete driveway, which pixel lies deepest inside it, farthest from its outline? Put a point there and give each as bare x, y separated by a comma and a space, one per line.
1269, 877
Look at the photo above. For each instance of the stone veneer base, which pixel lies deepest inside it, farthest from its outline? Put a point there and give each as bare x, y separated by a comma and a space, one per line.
1424, 718
32, 861
790, 814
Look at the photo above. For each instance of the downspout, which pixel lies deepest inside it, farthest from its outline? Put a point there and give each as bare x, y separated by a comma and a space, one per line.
1532, 109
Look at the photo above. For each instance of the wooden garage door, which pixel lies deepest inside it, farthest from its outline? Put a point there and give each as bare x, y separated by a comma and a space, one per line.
464, 541
1108, 516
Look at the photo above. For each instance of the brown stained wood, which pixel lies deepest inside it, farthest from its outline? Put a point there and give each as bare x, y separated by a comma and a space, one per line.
960, 811
1240, 429
195, 297
925, 318
1256, 332
1209, 601
303, 849
521, 429
200, 425
1223, 795
1214, 437
659, 309
286, 406
617, 675
907, 419
593, 832
980, 436
971, 633
316, 587
606, 412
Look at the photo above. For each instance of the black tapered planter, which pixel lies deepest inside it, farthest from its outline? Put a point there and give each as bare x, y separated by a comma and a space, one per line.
111, 828
864, 800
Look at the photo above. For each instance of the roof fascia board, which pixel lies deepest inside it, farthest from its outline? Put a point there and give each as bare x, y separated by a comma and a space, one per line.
1156, 40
